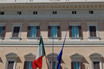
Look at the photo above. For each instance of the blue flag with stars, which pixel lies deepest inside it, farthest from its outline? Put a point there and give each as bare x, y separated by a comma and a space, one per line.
59, 57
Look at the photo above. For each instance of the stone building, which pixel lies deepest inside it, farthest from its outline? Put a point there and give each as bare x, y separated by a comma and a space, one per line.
23, 21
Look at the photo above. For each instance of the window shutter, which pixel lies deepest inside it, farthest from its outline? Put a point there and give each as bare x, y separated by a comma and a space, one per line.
70, 31
49, 31
72, 65
29, 29
81, 65
59, 31
38, 31
3, 31
25, 65
80, 31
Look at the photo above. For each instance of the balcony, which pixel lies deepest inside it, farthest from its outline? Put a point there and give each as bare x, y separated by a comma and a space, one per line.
32, 1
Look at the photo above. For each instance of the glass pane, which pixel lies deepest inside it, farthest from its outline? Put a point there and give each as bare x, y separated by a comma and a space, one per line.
53, 31
33, 32
29, 65
54, 65
75, 31
76, 65
16, 31
0, 31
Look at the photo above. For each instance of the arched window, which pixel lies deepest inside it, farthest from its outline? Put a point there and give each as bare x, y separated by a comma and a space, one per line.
29, 58
52, 61
76, 61
11, 61
96, 61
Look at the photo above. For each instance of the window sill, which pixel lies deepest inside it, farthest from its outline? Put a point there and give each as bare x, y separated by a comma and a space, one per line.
94, 38
16, 38
1, 38
54, 38
75, 38
33, 37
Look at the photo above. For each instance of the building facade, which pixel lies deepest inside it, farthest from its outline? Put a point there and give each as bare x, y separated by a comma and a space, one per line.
23, 21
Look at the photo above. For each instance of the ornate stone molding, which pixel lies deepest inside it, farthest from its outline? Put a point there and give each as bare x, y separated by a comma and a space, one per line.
78, 5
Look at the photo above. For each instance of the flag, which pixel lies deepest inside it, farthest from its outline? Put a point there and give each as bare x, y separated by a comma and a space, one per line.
59, 57
37, 63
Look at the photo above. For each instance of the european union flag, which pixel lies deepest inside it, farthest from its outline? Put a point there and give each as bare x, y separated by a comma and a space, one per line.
59, 57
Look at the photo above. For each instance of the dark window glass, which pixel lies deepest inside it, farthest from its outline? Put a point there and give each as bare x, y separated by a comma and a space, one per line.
2, 13
92, 31
19, 12
10, 64
54, 12
16, 31
74, 12
2, 31
35, 12
91, 12
96, 65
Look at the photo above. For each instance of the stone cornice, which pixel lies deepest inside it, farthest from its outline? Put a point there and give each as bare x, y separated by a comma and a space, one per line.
65, 5
49, 43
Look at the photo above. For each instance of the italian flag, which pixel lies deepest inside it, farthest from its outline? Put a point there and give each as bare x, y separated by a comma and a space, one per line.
37, 63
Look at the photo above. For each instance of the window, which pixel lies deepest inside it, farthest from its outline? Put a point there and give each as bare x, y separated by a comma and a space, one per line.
2, 31
35, 12
96, 65
91, 12
76, 65
74, 12
53, 65
52, 60
19, 13
54, 31
11, 65
2, 13
28, 65
54, 12
33, 31
75, 31
16, 31
92, 30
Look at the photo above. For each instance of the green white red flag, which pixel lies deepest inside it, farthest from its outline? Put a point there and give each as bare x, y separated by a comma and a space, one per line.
37, 63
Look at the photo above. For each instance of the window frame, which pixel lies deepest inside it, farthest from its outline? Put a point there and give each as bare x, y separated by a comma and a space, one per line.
14, 60
34, 38
5, 31
77, 38
97, 33
19, 34
100, 63
55, 38
76, 62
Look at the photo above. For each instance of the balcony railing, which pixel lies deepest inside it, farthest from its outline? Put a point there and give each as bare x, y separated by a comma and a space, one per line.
30, 1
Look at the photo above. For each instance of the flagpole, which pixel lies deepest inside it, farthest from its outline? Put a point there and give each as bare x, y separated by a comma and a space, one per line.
52, 49
46, 62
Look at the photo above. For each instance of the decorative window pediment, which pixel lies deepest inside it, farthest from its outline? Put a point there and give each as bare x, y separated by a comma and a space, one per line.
76, 57
52, 55
11, 56
96, 57
29, 57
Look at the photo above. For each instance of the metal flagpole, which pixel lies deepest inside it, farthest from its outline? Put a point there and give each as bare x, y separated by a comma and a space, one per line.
52, 49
